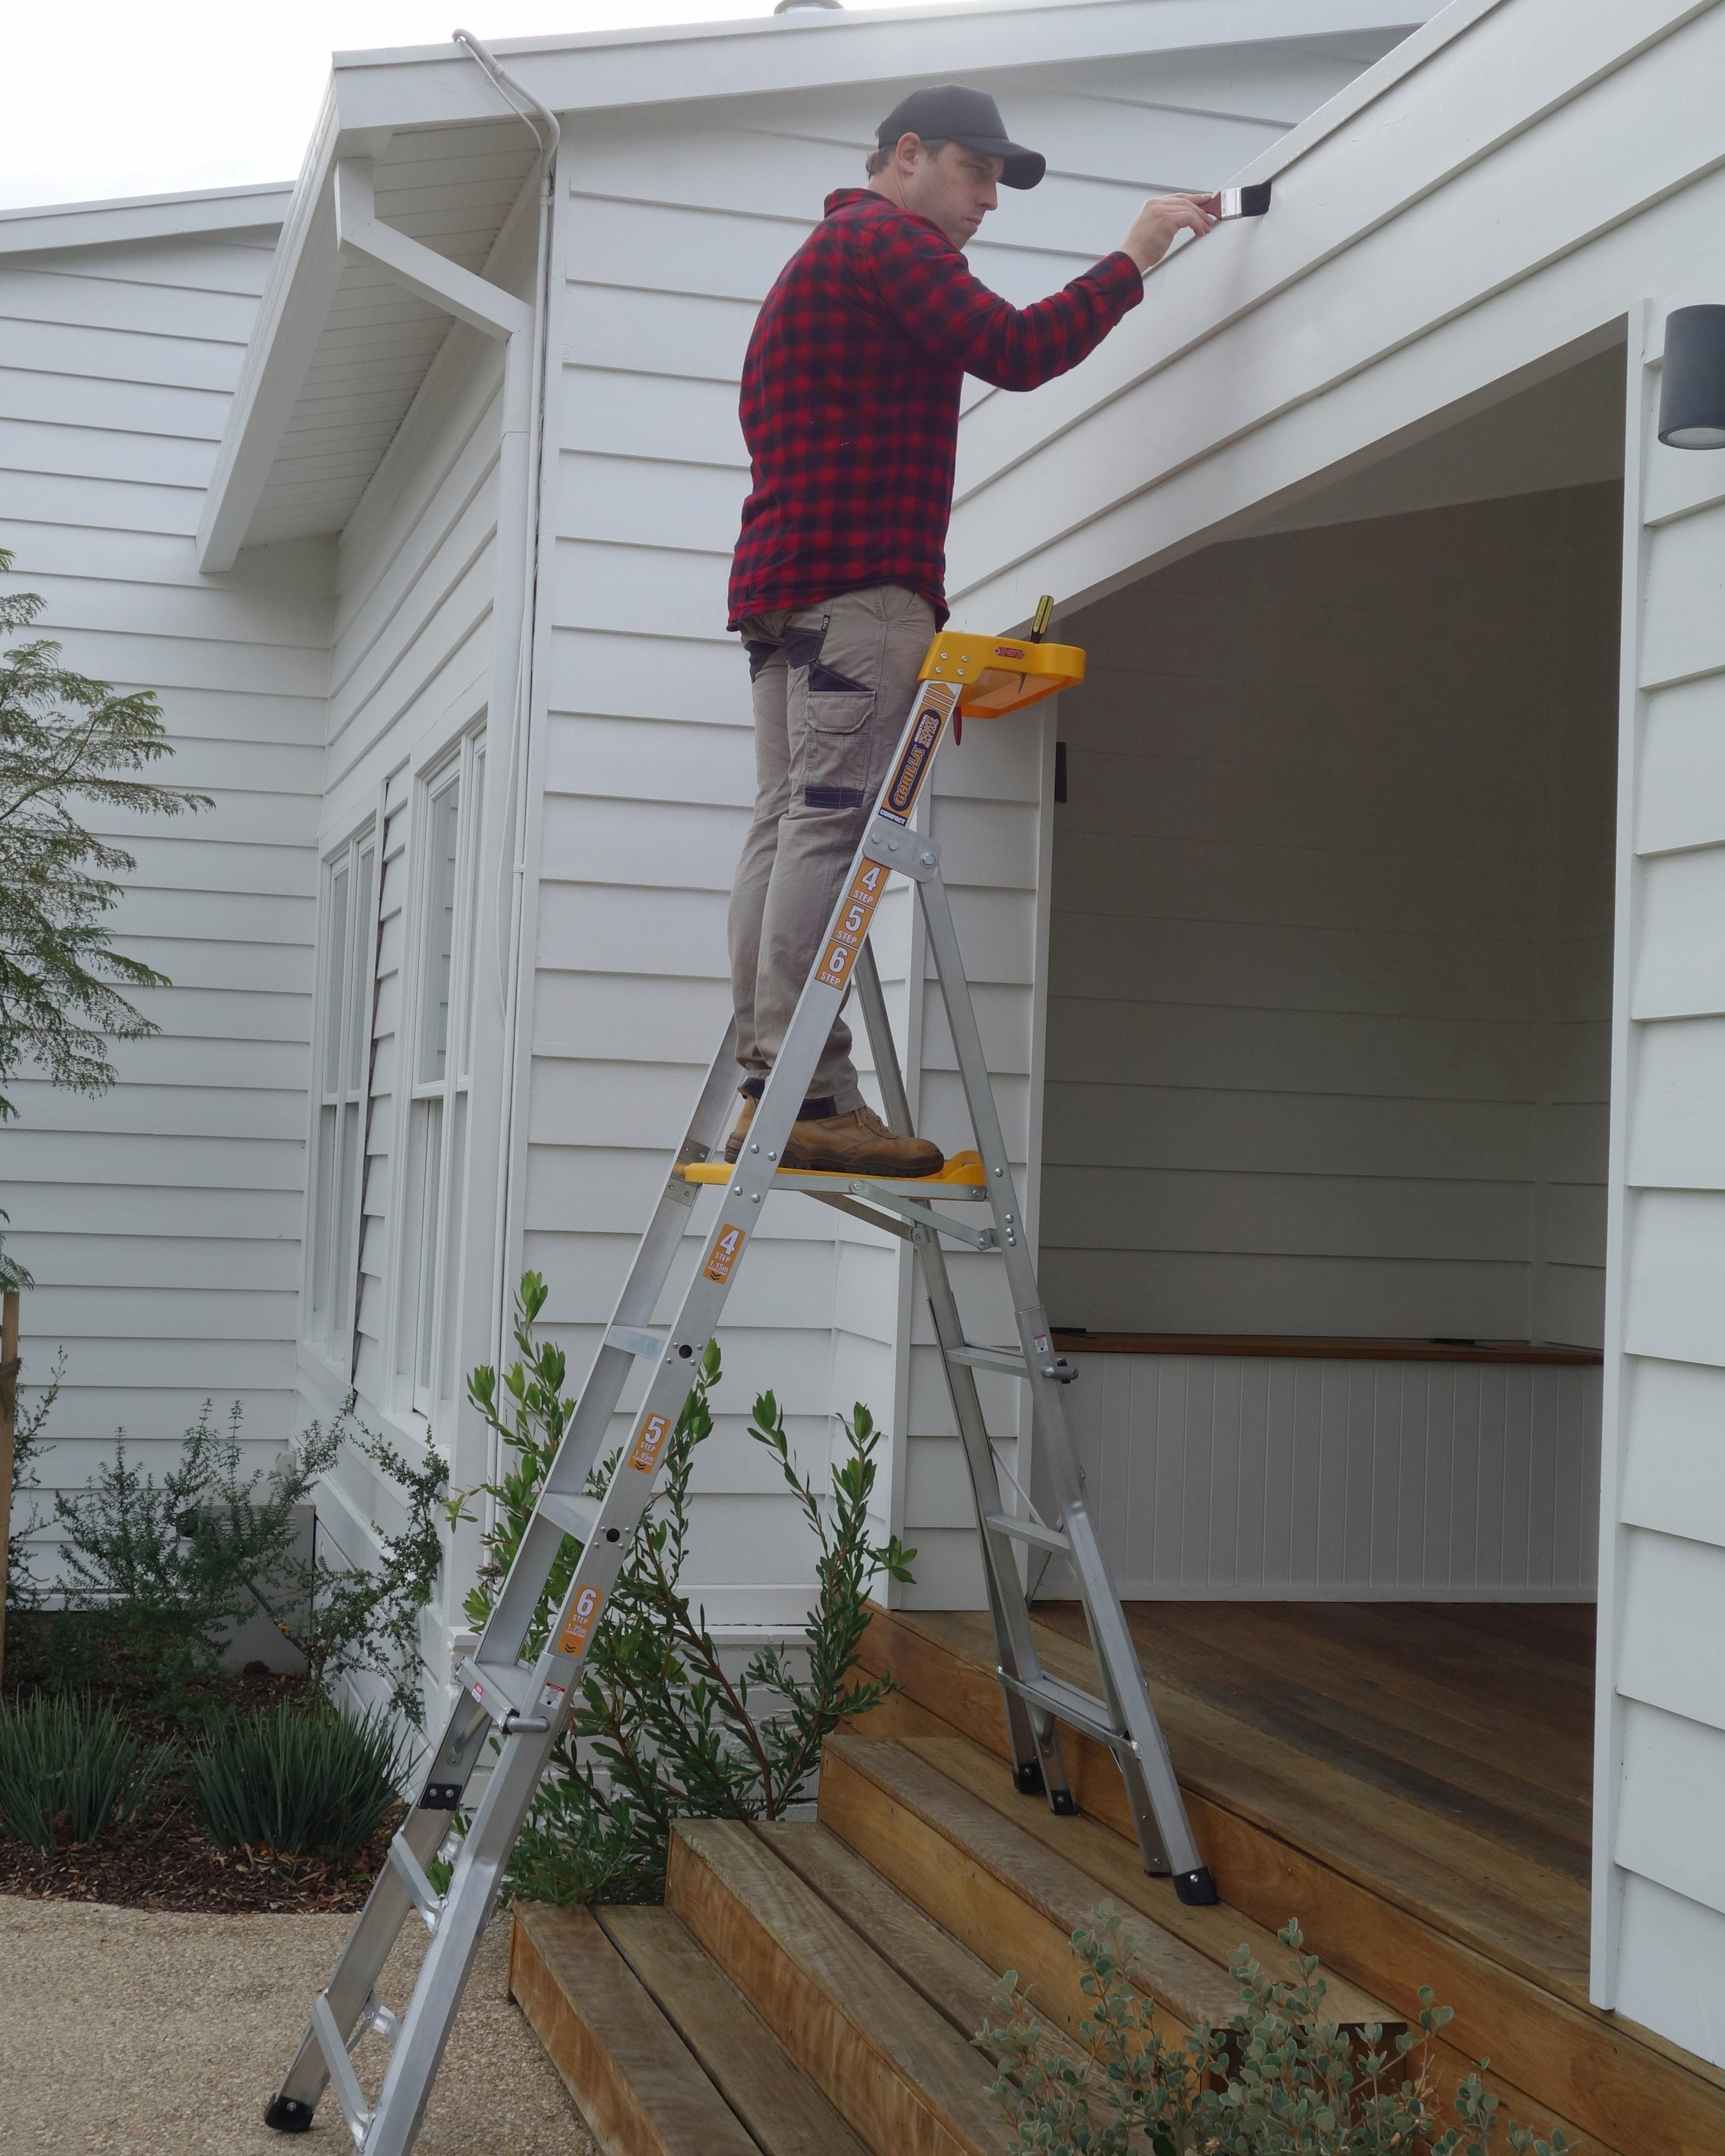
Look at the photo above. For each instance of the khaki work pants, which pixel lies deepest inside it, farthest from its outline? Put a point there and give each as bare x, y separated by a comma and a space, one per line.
833, 686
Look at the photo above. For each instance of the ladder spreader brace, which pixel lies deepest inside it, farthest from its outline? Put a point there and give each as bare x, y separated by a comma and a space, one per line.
522, 1705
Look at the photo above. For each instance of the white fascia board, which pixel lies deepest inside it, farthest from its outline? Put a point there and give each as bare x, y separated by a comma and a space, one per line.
423, 85
52, 227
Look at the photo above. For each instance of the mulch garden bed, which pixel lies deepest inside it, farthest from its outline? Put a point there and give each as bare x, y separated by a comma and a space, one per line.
166, 1862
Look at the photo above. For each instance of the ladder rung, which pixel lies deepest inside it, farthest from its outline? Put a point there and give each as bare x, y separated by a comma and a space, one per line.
1065, 1700
575, 1516
1027, 1530
426, 1898
377, 2015
339, 2065
645, 1340
495, 1691
1008, 1359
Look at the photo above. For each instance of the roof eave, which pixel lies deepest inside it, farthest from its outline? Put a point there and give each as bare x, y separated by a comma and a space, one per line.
51, 227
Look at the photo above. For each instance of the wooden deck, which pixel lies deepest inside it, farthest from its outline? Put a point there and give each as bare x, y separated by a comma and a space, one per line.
1411, 1783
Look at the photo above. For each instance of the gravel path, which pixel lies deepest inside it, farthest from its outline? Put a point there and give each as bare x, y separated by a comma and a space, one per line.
125, 2032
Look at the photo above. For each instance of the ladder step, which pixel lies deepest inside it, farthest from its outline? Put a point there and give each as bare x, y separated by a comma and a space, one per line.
1008, 1359
643, 1339
500, 1692
339, 2065
1070, 1705
1028, 1531
963, 1178
425, 1896
575, 1516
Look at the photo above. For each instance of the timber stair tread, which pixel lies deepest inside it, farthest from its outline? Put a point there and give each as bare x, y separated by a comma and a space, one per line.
1383, 1888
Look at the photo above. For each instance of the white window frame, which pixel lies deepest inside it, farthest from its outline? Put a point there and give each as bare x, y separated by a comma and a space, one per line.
340, 1089
432, 1089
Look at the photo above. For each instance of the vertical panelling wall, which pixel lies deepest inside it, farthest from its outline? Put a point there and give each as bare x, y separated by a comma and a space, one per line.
1660, 1762
161, 1220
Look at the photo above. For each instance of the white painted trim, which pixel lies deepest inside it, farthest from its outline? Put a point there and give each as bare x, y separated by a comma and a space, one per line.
421, 270
606, 70
1608, 1878
53, 227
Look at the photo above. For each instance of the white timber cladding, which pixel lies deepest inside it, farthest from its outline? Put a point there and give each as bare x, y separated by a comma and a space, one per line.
162, 1220
675, 227
1254, 1478
1329, 982
1659, 1746
1386, 297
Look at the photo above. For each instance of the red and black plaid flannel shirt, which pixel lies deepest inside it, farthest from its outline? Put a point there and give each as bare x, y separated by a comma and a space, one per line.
851, 398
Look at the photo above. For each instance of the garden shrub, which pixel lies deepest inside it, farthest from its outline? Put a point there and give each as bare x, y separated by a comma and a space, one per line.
71, 1774
662, 1727
165, 1569
304, 1782
1279, 2080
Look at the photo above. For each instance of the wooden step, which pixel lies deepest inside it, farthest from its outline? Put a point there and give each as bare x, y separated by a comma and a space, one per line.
939, 1817
663, 2055
635, 2082
785, 2113
895, 2068
1377, 1886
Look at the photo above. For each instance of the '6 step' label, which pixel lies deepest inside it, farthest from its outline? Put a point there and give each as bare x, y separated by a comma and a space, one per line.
582, 1618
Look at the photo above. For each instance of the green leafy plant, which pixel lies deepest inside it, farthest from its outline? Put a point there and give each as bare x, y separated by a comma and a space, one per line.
70, 1774
1279, 2080
304, 1782
65, 740
170, 1566
664, 1726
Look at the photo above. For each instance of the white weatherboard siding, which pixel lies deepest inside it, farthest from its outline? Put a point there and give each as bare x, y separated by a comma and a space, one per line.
163, 1221
1661, 1742
673, 231
1386, 295
1330, 977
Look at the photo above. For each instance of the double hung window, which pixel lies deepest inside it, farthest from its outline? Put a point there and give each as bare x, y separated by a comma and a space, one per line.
440, 1060
342, 1078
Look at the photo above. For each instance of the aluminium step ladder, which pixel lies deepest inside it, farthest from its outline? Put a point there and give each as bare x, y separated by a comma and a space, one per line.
521, 1705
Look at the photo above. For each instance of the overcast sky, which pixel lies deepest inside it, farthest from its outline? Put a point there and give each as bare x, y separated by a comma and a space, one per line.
100, 100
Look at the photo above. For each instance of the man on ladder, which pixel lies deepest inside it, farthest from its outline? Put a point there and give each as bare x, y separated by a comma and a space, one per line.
850, 411
850, 400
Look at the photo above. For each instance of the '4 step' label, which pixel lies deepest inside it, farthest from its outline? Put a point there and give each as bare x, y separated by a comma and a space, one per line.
853, 924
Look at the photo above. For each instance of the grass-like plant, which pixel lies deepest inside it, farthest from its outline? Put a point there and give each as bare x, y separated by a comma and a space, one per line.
70, 1774
1280, 2080
302, 1782
664, 1726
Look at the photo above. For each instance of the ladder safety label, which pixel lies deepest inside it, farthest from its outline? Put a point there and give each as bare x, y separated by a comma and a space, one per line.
725, 1254
582, 1620
918, 755
650, 1443
854, 914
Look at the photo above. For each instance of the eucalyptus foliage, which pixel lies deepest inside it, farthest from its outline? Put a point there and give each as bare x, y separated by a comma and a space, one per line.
304, 1782
1280, 2080
663, 1728
67, 740
70, 1774
173, 1566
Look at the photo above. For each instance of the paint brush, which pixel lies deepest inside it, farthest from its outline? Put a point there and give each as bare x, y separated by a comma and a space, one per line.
1237, 202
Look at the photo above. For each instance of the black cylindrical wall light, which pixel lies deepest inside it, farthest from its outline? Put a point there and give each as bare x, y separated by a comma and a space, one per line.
1692, 394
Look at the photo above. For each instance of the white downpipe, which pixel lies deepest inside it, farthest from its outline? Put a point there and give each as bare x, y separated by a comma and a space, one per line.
516, 616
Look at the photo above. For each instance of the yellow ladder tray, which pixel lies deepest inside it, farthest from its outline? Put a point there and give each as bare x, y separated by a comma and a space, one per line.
963, 1177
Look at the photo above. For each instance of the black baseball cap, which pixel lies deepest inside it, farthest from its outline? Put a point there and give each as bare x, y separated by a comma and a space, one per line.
954, 113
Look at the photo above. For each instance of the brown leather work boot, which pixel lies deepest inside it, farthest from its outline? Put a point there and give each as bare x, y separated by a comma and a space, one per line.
733, 1144
860, 1144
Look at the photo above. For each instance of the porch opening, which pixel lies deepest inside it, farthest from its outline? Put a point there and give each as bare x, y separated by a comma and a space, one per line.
1324, 1141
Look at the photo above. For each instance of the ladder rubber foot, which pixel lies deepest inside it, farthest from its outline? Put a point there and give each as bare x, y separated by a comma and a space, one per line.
1061, 1805
1027, 1779
1197, 1889
288, 2115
